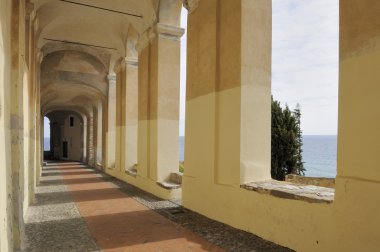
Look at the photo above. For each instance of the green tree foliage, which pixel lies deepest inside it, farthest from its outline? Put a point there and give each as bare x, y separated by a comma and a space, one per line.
286, 141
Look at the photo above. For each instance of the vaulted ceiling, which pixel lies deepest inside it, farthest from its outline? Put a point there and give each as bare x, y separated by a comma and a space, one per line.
82, 40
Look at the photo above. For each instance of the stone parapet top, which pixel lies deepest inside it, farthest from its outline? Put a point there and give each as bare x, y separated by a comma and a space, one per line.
287, 190
132, 172
316, 181
169, 185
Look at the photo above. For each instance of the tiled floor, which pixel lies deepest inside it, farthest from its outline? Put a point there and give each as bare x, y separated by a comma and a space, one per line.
77, 210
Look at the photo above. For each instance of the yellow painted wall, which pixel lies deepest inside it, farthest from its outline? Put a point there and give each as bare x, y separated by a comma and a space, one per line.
351, 222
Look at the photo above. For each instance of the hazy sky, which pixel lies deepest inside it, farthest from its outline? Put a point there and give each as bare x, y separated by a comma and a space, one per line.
304, 62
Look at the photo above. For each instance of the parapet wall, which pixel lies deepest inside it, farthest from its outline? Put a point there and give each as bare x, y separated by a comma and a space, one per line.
315, 181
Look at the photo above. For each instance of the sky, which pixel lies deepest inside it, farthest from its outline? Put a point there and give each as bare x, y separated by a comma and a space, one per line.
304, 62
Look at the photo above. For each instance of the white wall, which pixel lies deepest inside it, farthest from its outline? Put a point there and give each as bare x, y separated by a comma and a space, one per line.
73, 135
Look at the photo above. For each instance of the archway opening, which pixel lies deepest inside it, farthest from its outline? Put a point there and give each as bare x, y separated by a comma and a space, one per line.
66, 136
182, 110
47, 139
305, 73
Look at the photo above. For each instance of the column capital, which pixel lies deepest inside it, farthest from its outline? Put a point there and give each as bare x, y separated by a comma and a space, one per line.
161, 31
131, 61
111, 78
191, 5
168, 31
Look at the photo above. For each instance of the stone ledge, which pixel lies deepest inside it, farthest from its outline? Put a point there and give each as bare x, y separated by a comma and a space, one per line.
316, 181
169, 185
176, 178
131, 172
286, 190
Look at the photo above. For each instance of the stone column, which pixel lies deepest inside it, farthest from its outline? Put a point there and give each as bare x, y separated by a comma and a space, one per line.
111, 135
99, 145
143, 107
6, 200
90, 140
130, 120
104, 133
39, 118
31, 105
95, 134
160, 101
228, 103
16, 123
120, 108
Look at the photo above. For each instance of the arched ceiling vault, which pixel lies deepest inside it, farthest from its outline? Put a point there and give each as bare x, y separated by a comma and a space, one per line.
92, 27
81, 45
72, 78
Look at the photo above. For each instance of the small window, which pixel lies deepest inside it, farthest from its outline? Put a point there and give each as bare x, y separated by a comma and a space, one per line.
71, 121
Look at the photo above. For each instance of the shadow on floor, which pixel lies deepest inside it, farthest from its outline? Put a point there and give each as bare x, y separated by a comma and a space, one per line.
59, 236
80, 196
79, 172
72, 181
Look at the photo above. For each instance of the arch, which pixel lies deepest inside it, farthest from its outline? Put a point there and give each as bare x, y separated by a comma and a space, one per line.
67, 141
103, 56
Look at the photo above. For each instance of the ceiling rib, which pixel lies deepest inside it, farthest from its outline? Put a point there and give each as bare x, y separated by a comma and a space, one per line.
101, 8
78, 43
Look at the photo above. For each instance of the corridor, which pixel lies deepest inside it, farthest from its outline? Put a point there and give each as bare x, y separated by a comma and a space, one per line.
79, 209
107, 77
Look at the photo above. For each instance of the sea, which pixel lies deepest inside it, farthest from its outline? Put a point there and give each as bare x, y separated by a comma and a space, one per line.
319, 154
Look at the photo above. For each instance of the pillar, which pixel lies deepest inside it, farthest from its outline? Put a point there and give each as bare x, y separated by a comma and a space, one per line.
358, 178
111, 125
143, 108
95, 134
6, 215
99, 145
130, 113
119, 120
90, 140
359, 89
39, 121
16, 125
159, 54
228, 103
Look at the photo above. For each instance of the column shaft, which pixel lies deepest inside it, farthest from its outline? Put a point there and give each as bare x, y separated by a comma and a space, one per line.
111, 127
130, 114
228, 107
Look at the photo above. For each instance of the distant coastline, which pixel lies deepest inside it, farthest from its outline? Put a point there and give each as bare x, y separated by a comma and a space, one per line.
319, 154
